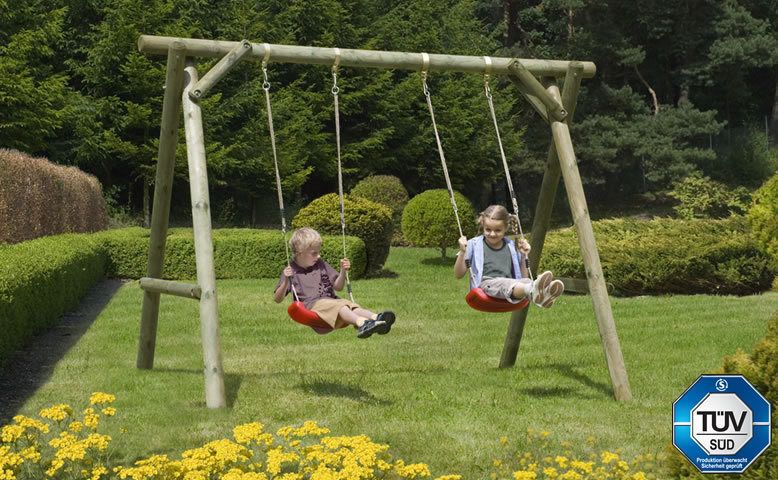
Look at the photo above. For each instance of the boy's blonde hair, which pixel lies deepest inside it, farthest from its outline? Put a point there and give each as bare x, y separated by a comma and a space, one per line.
499, 213
303, 239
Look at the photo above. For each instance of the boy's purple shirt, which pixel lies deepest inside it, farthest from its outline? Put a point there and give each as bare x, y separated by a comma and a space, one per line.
312, 283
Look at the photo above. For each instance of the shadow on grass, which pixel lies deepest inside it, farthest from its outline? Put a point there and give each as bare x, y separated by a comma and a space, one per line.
325, 388
439, 261
383, 273
29, 368
568, 371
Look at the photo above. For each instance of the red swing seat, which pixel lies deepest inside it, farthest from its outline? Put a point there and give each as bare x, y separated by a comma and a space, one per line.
482, 302
302, 315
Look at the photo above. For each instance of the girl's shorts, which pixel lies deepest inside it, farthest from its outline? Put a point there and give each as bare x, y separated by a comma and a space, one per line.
500, 287
328, 309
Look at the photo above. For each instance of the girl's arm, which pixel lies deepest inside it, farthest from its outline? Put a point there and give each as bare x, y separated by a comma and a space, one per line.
460, 267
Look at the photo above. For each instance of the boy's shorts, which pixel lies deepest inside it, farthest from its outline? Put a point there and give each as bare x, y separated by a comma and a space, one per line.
328, 309
500, 287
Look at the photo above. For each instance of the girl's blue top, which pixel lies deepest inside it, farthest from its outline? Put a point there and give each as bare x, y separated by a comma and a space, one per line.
474, 254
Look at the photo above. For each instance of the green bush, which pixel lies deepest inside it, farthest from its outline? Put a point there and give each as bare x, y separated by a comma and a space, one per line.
667, 256
238, 253
428, 219
701, 197
365, 219
761, 369
41, 280
763, 217
389, 191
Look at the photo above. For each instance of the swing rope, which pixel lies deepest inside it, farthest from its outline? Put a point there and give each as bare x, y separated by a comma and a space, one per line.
514, 202
335, 91
266, 88
426, 62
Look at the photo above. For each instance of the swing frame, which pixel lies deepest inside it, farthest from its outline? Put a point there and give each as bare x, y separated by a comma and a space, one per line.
536, 80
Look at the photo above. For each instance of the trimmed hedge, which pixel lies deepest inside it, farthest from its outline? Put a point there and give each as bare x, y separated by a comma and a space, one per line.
763, 217
667, 256
238, 253
370, 221
41, 280
387, 190
428, 219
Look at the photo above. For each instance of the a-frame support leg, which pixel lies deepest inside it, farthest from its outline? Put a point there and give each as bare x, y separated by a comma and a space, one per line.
201, 221
541, 220
591, 258
168, 137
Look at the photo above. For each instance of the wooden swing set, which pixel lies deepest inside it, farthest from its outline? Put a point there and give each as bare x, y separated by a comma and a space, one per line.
536, 81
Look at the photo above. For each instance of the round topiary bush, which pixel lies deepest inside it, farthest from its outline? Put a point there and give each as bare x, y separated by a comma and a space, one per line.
387, 190
428, 219
763, 217
370, 221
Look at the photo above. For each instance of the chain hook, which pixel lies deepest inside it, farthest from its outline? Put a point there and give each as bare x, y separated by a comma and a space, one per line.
425, 63
266, 83
335, 88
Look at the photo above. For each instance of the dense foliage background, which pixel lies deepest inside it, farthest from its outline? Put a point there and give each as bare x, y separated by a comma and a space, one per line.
681, 87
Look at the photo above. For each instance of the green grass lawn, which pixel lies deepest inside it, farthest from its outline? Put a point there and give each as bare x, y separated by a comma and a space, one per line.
430, 389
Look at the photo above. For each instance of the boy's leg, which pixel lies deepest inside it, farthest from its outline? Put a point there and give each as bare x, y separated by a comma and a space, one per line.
351, 317
364, 313
385, 319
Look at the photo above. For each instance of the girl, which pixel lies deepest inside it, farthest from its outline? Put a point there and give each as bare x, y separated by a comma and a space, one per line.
497, 268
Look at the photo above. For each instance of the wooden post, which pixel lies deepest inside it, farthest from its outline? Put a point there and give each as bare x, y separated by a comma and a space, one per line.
591, 258
179, 289
168, 136
541, 220
201, 220
219, 70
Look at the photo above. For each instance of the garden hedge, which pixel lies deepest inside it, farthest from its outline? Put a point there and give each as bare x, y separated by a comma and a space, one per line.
387, 190
763, 217
41, 280
667, 256
238, 253
428, 219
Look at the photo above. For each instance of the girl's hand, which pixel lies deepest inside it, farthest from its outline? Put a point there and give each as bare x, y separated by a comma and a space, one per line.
462, 244
345, 264
524, 246
288, 272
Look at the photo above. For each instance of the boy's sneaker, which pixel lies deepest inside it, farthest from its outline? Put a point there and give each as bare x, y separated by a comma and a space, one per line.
552, 292
539, 287
369, 327
388, 318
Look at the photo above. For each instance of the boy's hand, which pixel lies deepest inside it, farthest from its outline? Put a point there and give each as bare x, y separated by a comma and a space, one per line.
288, 272
524, 246
463, 244
345, 264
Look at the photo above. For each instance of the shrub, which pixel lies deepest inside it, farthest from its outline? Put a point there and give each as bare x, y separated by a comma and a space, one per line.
763, 217
701, 197
59, 269
238, 253
365, 219
667, 256
428, 219
39, 198
389, 191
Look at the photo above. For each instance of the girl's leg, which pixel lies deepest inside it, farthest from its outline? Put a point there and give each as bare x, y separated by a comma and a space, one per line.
363, 312
522, 290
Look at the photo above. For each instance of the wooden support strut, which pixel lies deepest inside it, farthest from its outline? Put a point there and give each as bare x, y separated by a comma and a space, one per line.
542, 217
179, 289
152, 44
219, 70
534, 88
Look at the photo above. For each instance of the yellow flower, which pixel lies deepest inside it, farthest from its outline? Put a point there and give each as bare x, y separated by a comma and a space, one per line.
607, 457
98, 472
31, 423
550, 472
414, 470
503, 441
109, 411
56, 412
91, 419
561, 461
524, 475
585, 467
638, 476
100, 398
449, 477
11, 433
76, 426
571, 475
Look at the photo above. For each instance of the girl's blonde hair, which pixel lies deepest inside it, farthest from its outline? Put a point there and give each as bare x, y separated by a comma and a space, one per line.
303, 239
499, 213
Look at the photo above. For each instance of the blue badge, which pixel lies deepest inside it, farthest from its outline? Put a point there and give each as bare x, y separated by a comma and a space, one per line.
721, 423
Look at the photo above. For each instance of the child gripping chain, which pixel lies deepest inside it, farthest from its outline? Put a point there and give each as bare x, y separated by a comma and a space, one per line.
315, 283
498, 268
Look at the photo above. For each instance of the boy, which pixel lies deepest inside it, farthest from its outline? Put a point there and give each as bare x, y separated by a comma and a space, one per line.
314, 282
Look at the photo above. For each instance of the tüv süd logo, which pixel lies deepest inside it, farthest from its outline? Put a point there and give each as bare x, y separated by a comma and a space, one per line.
721, 423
